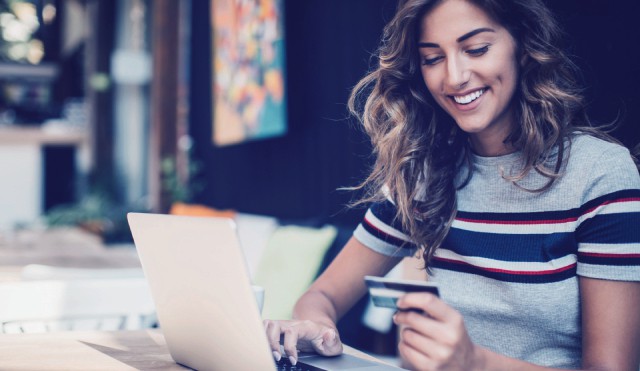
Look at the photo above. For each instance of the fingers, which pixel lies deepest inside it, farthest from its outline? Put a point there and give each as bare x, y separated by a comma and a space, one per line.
272, 329
422, 323
417, 359
435, 339
282, 329
418, 349
430, 304
291, 334
301, 335
328, 344
446, 333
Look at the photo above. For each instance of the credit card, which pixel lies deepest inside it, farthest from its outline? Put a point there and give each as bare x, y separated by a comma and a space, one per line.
385, 292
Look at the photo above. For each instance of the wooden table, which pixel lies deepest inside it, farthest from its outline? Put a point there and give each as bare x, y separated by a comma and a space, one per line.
60, 247
121, 350
95, 350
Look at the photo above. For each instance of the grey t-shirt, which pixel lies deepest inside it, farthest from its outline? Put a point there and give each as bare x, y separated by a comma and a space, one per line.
512, 259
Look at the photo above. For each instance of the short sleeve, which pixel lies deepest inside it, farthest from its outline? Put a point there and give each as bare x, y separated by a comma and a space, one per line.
381, 232
608, 230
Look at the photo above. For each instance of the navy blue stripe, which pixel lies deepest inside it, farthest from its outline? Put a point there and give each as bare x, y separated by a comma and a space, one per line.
627, 193
598, 260
505, 277
610, 228
516, 217
550, 215
387, 238
511, 247
386, 212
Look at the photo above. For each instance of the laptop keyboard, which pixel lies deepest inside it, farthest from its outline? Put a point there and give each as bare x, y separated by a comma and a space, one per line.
284, 365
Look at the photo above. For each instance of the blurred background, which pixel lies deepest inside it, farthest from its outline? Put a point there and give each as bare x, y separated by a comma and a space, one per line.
114, 101
109, 106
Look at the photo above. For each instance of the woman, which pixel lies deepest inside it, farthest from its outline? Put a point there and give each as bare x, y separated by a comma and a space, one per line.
526, 217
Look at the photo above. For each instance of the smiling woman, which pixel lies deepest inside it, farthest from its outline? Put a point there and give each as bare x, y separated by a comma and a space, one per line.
488, 167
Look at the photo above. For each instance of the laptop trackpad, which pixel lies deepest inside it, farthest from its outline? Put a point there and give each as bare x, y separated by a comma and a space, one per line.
342, 362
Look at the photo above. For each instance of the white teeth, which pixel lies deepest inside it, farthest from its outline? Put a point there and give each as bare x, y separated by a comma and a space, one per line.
466, 99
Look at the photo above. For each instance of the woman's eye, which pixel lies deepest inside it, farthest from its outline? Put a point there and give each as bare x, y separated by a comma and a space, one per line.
478, 51
431, 61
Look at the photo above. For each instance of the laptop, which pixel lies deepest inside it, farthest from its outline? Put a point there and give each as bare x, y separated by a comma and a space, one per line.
204, 301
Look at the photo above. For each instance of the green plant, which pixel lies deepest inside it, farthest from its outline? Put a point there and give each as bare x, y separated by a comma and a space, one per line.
97, 213
177, 189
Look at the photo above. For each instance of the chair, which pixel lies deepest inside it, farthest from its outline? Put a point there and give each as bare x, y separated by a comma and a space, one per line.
77, 304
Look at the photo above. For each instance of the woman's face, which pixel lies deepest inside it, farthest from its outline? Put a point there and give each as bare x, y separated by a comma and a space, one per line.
469, 65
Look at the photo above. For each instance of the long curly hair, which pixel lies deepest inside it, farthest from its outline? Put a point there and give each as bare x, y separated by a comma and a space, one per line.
420, 151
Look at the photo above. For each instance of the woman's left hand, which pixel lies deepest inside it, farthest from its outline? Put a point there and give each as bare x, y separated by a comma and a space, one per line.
435, 340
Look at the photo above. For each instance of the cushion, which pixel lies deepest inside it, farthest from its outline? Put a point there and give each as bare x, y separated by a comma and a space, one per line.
179, 208
289, 265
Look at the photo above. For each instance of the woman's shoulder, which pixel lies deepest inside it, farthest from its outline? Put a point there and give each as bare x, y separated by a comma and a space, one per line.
592, 154
585, 145
603, 165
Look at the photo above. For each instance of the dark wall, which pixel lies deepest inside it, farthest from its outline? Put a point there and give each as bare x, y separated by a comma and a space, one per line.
604, 36
329, 43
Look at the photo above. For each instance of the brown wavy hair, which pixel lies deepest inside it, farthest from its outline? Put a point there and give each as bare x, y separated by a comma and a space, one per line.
419, 149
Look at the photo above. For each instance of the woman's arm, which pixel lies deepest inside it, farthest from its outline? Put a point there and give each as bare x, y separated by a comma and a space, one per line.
610, 332
329, 297
341, 285
610, 324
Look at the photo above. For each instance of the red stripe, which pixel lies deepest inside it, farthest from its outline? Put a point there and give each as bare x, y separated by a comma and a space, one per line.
519, 222
609, 255
383, 232
499, 270
374, 227
628, 199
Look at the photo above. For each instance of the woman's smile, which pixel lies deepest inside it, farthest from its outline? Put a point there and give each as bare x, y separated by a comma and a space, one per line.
468, 101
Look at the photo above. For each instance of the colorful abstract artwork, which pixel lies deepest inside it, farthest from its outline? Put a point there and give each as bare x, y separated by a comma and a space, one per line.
249, 97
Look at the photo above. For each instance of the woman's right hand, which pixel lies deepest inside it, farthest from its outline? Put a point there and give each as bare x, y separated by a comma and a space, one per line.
302, 335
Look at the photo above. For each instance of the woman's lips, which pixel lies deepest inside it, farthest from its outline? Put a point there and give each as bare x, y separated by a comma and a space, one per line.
473, 98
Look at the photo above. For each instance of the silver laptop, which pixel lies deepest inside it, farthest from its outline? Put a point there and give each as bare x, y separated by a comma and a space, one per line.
206, 308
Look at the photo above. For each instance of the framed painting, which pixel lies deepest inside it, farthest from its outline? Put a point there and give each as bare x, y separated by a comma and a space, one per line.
249, 97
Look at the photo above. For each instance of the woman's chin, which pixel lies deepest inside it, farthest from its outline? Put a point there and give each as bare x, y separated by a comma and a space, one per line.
471, 128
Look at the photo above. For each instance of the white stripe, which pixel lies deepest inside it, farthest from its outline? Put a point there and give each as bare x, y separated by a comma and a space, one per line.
387, 193
562, 262
371, 218
546, 228
614, 208
603, 248
515, 228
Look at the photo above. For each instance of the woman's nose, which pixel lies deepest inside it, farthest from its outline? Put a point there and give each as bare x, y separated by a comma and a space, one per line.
457, 74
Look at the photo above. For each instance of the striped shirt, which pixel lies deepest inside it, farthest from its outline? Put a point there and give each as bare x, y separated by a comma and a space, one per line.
511, 261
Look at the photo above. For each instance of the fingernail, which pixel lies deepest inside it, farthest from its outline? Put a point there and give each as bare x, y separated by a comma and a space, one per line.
277, 355
293, 360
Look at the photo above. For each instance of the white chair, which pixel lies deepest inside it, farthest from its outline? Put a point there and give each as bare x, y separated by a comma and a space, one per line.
77, 304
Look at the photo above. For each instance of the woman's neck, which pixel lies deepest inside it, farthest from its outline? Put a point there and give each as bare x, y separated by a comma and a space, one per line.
492, 141
490, 147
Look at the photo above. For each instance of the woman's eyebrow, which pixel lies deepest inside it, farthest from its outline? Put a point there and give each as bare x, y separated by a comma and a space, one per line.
473, 33
460, 39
